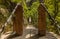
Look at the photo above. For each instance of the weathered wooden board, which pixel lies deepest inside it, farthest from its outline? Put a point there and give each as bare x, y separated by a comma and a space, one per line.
41, 20
18, 20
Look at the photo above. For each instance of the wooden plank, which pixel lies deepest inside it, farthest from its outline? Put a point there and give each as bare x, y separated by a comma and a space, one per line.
41, 20
18, 20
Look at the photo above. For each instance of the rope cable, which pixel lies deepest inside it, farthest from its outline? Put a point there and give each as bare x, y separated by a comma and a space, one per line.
9, 18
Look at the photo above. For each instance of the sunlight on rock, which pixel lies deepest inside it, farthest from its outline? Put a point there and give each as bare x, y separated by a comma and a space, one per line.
28, 35
30, 27
4, 36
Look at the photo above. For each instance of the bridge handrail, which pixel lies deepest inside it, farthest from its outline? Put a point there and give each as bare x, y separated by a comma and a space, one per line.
9, 18
50, 17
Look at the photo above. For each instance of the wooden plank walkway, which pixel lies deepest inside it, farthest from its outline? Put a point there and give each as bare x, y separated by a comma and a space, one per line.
30, 29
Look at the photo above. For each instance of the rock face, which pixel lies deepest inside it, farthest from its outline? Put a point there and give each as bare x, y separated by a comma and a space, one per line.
29, 33
34, 35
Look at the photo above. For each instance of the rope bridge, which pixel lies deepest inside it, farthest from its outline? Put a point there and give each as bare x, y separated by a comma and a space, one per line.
8, 20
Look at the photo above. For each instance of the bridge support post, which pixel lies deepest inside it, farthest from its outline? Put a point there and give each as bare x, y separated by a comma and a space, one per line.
41, 21
18, 20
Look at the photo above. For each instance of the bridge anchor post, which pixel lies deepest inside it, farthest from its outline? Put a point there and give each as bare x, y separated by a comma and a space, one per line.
18, 20
41, 21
